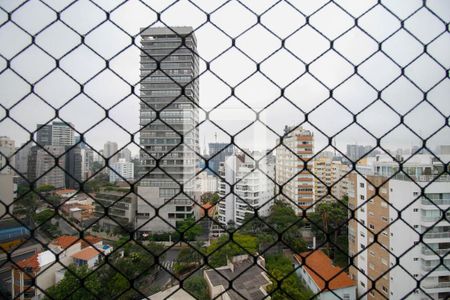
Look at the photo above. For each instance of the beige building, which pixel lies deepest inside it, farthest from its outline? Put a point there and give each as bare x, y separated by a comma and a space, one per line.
330, 173
44, 168
294, 167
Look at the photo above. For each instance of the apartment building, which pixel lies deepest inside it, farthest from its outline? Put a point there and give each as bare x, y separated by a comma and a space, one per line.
294, 167
7, 159
56, 134
110, 151
121, 170
330, 173
389, 224
168, 117
253, 188
46, 164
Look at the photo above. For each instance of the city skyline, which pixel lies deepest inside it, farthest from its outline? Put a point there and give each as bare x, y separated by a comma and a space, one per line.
257, 91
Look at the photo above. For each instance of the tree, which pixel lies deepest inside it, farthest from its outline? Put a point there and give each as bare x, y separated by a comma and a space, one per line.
209, 197
227, 248
45, 188
189, 228
188, 258
71, 282
329, 222
197, 286
279, 266
44, 216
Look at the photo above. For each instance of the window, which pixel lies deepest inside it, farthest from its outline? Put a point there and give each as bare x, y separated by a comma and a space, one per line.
362, 284
415, 194
371, 226
346, 297
415, 210
416, 259
372, 253
361, 184
385, 289
362, 197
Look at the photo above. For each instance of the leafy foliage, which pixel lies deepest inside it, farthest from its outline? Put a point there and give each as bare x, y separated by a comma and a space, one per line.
240, 244
197, 286
280, 268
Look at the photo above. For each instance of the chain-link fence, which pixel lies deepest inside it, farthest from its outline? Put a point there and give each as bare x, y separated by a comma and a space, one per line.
307, 190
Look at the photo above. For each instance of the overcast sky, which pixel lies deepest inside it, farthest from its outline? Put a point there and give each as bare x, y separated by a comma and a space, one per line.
283, 19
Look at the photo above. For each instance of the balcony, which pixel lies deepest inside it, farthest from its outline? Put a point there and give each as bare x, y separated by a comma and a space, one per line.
435, 202
440, 252
436, 235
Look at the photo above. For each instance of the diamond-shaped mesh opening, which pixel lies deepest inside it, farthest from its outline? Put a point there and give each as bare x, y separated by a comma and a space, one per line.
224, 149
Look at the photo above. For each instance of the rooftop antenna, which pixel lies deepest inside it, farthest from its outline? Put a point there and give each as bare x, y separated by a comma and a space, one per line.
215, 136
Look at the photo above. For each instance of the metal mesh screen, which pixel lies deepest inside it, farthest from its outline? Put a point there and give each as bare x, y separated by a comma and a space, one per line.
304, 217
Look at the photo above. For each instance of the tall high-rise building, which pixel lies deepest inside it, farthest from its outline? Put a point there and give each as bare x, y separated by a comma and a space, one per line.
125, 154
253, 190
21, 159
7, 149
56, 134
121, 170
169, 68
218, 152
393, 219
331, 173
74, 166
294, 167
44, 169
109, 151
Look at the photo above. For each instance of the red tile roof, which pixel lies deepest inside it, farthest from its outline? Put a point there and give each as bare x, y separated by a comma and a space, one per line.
90, 240
86, 254
321, 269
30, 262
65, 241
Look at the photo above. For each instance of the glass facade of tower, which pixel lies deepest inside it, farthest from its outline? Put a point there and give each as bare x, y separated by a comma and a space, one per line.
169, 115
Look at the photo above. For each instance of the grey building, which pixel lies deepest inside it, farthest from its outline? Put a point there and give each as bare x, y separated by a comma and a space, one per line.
74, 166
56, 134
21, 158
218, 152
171, 90
121, 208
45, 168
110, 151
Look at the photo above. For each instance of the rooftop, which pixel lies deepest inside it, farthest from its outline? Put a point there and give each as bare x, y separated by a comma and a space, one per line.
321, 269
65, 241
173, 293
247, 280
181, 30
87, 253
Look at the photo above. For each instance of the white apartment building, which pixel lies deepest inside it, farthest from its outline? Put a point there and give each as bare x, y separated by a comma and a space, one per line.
424, 214
206, 183
62, 134
252, 188
122, 170
7, 149
293, 166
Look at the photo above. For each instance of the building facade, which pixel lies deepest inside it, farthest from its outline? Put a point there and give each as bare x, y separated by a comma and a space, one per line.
121, 170
56, 134
173, 129
7, 157
218, 152
121, 211
293, 169
45, 166
110, 151
253, 190
399, 236
330, 173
